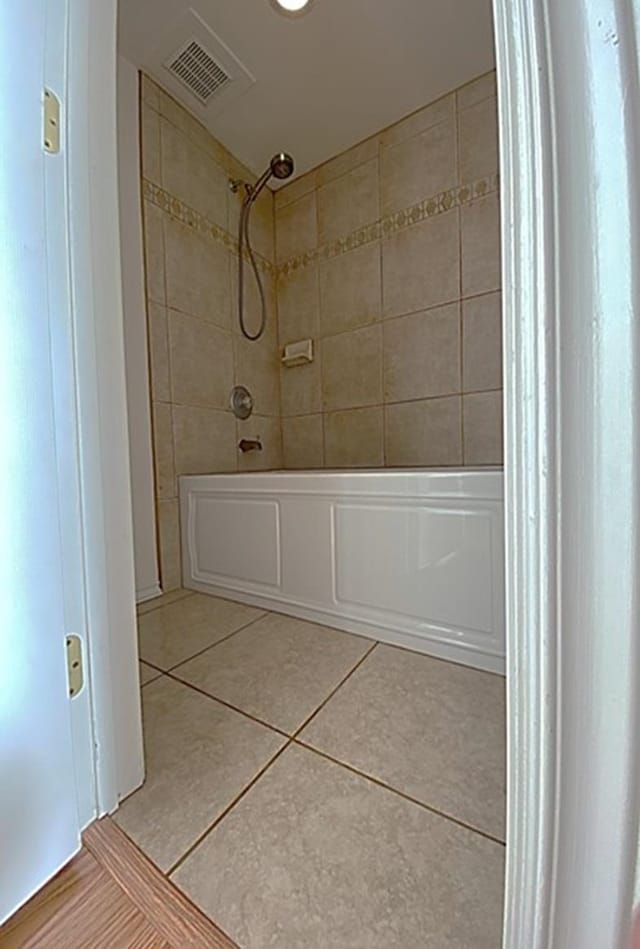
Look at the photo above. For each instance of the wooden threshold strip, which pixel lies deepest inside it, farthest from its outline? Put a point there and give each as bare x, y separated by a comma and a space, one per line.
110, 896
173, 916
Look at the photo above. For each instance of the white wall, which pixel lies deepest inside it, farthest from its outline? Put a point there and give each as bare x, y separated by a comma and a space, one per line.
135, 335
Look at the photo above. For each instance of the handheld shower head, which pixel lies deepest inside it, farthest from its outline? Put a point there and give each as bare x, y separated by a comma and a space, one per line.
281, 165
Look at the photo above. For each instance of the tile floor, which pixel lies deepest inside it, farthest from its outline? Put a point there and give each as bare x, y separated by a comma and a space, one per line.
311, 788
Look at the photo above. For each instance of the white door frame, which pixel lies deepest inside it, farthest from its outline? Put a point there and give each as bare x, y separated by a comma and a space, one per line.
569, 120
102, 436
570, 130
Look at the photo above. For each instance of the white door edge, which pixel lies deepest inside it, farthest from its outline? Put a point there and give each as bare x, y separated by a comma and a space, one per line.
103, 437
569, 122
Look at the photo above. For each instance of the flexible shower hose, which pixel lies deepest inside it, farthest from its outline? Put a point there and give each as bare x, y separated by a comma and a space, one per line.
244, 239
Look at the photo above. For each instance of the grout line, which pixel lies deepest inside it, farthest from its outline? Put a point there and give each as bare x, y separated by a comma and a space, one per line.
183, 662
424, 309
333, 691
233, 708
460, 281
178, 599
226, 810
381, 319
402, 794
377, 405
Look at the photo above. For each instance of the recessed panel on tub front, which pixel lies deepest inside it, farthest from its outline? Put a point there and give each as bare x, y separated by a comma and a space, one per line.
235, 539
425, 564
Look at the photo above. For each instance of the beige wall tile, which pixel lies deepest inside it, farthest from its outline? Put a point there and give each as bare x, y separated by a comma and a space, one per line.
204, 440
478, 140
298, 305
268, 432
424, 433
150, 144
418, 167
198, 274
350, 289
345, 161
302, 442
348, 202
481, 88
159, 352
291, 192
352, 369
201, 362
166, 485
420, 265
154, 253
480, 224
301, 387
257, 366
482, 418
190, 174
422, 354
482, 342
169, 540
296, 228
149, 91
439, 111
354, 439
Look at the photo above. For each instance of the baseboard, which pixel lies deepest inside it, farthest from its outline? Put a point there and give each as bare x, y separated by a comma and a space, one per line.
148, 593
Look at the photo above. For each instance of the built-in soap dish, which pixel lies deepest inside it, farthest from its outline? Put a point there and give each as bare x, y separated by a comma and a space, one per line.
297, 354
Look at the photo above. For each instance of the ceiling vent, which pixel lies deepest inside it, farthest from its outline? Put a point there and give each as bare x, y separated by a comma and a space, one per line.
188, 55
196, 69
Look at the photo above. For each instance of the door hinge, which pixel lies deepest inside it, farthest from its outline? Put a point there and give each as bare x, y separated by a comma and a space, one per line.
75, 671
51, 131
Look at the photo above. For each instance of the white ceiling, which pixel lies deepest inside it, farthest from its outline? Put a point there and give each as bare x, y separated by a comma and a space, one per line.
326, 80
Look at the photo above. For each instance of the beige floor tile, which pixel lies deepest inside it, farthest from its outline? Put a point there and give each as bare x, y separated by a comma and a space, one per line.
163, 600
148, 673
279, 669
176, 632
199, 757
429, 728
315, 856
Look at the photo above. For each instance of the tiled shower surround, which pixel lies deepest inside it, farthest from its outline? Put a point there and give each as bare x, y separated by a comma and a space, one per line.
196, 351
387, 256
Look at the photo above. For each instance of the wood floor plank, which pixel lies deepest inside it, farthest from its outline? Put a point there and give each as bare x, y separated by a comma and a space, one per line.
81, 908
45, 905
110, 896
174, 917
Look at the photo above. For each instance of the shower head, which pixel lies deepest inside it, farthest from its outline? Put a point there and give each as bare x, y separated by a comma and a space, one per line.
281, 165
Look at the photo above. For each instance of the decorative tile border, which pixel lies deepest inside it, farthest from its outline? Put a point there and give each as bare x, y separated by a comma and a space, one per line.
181, 212
384, 227
398, 221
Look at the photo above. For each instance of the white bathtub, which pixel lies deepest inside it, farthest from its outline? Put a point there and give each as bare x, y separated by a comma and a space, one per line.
414, 558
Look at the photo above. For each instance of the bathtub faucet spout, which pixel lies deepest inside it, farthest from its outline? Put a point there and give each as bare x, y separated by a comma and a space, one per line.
250, 444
